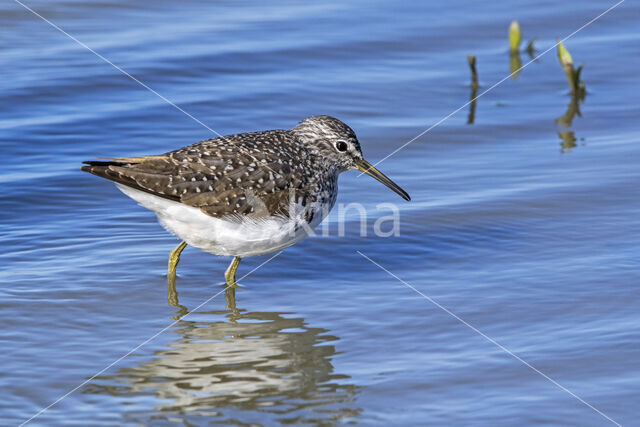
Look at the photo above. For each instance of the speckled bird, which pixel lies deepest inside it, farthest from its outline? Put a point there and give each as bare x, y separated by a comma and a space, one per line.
245, 194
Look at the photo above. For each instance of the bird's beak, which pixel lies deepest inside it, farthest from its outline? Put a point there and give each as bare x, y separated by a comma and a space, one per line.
368, 168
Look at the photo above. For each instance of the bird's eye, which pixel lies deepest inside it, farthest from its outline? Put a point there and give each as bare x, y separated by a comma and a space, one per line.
341, 146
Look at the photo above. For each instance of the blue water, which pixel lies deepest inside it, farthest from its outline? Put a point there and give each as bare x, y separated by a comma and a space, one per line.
527, 236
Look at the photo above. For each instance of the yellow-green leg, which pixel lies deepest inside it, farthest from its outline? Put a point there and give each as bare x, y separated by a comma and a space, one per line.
230, 298
174, 258
230, 274
172, 297
172, 294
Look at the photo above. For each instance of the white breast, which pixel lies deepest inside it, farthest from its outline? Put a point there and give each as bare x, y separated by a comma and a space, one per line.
229, 237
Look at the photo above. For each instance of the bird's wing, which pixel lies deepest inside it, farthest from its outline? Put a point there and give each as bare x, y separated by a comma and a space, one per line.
233, 176
151, 174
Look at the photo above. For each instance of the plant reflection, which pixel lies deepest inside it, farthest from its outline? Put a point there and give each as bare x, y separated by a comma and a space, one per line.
471, 59
238, 367
515, 63
531, 50
567, 136
472, 105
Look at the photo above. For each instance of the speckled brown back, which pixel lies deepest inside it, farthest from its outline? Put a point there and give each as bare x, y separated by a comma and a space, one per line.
253, 174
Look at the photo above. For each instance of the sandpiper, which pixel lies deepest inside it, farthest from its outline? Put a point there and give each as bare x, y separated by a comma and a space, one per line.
245, 194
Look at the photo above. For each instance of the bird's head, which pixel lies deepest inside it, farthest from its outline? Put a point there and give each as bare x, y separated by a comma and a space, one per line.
337, 144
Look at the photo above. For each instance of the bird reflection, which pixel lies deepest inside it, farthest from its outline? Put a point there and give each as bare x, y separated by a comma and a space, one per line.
172, 297
238, 367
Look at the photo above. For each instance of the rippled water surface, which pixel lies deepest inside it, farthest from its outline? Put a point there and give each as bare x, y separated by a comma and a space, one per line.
523, 224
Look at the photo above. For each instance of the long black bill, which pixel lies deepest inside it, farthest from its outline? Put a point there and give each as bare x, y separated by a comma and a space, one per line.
368, 168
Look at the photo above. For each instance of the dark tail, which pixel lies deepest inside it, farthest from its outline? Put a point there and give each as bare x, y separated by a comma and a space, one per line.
102, 170
115, 171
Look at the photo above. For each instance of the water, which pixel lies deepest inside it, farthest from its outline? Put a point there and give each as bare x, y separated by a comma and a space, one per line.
527, 233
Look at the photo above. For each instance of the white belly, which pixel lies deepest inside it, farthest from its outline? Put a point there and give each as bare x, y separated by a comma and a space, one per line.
229, 237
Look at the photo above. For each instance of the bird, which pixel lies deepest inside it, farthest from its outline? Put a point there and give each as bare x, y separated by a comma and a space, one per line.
244, 194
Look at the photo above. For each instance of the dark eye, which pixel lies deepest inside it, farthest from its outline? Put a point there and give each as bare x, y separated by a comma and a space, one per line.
341, 146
